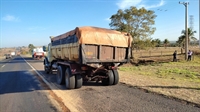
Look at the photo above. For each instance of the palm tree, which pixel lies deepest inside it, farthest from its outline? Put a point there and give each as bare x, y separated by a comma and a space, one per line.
181, 39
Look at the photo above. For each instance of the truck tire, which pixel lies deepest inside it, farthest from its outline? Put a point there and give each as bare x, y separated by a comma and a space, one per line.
60, 75
116, 77
46, 70
79, 81
110, 79
46, 62
69, 79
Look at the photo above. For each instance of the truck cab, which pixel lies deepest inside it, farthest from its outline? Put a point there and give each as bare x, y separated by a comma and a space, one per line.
8, 56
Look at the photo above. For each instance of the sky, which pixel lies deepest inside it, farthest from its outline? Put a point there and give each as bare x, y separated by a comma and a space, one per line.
24, 22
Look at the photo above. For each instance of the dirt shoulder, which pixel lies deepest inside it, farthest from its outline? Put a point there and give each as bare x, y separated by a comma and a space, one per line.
179, 80
172, 88
2, 57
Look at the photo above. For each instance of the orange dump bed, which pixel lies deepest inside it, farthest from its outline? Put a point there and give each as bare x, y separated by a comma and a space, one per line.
98, 36
92, 45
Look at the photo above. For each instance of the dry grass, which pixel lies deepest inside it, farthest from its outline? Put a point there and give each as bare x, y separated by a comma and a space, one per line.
4, 51
177, 79
1, 57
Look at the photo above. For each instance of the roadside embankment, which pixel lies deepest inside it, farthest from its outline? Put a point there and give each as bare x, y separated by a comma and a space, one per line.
179, 80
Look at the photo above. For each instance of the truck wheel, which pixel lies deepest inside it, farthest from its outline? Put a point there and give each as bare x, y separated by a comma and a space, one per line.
79, 81
46, 66
116, 77
110, 79
60, 75
46, 70
69, 79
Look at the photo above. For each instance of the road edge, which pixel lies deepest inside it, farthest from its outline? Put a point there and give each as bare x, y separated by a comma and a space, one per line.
54, 89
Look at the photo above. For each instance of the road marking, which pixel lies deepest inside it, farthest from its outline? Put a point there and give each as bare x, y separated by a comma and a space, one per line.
38, 73
3, 66
54, 89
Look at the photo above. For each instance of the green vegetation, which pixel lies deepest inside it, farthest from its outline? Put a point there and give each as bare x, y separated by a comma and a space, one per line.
137, 22
24, 52
181, 39
166, 42
31, 47
183, 70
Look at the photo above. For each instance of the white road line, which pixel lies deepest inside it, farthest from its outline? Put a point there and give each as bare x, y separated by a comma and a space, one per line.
3, 66
54, 89
38, 74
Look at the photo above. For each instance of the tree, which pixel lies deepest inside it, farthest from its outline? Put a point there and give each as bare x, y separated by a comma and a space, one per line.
137, 22
31, 47
181, 39
153, 43
166, 42
158, 42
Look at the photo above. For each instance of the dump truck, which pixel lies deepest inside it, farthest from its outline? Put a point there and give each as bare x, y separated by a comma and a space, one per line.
87, 54
12, 54
8, 56
38, 53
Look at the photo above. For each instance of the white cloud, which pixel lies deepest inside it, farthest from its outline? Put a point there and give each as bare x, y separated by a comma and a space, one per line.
10, 18
123, 4
161, 3
107, 19
127, 3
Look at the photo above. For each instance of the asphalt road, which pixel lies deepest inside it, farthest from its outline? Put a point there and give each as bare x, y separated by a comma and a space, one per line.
20, 90
94, 97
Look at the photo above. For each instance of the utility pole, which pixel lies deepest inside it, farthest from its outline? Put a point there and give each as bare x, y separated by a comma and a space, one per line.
186, 29
199, 29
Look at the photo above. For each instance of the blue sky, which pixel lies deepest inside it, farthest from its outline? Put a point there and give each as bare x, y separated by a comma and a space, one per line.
25, 22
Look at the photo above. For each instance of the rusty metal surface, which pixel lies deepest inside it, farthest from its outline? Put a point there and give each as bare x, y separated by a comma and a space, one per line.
91, 51
120, 53
104, 53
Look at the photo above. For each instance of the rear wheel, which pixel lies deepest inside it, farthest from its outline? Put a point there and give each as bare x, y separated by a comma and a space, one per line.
79, 81
60, 75
69, 79
46, 70
116, 77
110, 79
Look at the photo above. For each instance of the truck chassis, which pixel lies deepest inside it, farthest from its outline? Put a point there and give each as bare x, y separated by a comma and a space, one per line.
73, 74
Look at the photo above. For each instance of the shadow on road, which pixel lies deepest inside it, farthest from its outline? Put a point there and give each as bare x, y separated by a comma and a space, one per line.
19, 81
52, 79
18, 59
164, 87
31, 60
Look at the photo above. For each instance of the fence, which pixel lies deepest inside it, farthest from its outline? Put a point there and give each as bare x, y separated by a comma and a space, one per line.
160, 51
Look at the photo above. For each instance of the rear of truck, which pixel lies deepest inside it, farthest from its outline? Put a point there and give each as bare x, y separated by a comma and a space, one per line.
88, 54
37, 53
12, 54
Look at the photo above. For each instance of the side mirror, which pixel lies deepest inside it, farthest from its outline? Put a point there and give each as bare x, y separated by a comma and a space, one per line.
44, 48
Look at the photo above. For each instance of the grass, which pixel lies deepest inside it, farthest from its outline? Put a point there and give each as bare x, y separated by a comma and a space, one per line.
183, 70
174, 79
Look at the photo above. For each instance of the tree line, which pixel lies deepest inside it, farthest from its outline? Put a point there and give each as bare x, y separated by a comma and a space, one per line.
139, 23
